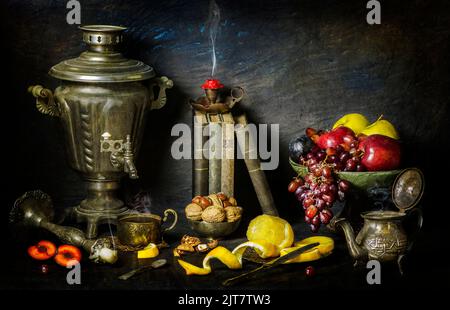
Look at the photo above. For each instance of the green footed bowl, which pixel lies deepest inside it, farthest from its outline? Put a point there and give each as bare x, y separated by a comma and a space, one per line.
360, 180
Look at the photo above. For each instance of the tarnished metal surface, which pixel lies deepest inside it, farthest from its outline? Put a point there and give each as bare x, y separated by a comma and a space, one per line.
101, 105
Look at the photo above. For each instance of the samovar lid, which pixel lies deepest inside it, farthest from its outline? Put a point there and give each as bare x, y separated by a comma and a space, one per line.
408, 188
102, 63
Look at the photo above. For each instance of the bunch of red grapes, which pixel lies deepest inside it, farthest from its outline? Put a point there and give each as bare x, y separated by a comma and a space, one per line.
321, 187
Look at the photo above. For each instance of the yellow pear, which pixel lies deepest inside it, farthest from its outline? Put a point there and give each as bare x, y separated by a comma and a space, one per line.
381, 127
355, 121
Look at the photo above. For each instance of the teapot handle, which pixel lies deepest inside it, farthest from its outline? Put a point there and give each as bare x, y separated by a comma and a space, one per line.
175, 219
418, 213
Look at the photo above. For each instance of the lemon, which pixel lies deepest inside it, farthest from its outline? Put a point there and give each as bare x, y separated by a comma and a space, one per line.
149, 251
272, 229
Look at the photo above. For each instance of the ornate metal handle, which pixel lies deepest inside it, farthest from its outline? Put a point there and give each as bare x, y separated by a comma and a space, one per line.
175, 219
45, 103
237, 93
163, 83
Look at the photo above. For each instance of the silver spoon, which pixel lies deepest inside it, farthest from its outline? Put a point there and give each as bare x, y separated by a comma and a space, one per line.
156, 264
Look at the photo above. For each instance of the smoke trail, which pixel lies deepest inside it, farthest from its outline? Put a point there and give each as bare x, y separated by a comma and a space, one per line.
212, 25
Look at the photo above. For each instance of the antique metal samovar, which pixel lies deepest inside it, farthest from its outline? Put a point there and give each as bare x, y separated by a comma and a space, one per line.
101, 103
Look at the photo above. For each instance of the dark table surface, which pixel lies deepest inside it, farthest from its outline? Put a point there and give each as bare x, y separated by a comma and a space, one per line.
424, 266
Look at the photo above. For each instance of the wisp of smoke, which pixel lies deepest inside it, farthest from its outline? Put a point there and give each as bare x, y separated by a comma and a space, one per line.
213, 26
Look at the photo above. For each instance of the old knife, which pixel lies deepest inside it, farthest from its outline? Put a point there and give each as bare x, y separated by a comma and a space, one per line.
281, 260
156, 264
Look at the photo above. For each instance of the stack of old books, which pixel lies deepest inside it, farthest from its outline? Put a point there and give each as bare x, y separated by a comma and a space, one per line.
214, 150
214, 154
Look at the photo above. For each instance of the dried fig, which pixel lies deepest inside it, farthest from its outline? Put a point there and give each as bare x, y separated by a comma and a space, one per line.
226, 204
197, 200
205, 202
222, 196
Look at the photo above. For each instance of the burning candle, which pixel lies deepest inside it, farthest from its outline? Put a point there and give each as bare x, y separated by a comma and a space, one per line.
211, 87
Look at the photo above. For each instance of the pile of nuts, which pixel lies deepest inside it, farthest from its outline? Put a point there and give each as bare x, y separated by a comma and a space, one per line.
214, 208
191, 244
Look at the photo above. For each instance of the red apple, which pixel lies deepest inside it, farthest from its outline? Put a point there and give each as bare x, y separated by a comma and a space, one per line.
334, 137
380, 153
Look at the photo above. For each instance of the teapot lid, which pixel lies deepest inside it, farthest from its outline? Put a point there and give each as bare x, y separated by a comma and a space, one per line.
102, 63
408, 188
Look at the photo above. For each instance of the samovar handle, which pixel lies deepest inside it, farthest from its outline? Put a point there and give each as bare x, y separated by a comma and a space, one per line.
163, 83
45, 103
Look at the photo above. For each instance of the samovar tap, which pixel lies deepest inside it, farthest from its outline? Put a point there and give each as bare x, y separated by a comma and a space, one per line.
128, 158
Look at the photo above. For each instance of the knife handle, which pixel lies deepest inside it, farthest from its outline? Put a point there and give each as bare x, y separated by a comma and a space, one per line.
132, 273
236, 279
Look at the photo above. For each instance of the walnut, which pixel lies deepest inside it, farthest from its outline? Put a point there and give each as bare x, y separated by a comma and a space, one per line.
194, 241
233, 213
184, 247
193, 212
215, 200
233, 201
213, 214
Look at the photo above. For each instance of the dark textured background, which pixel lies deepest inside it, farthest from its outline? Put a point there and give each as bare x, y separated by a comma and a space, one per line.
303, 63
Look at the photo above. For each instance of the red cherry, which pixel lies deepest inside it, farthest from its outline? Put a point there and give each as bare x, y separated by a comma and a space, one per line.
44, 269
310, 271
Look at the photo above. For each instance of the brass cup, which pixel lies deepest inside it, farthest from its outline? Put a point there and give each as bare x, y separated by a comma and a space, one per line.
140, 229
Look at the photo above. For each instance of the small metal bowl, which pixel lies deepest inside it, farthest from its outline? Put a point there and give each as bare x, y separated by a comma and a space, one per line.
213, 230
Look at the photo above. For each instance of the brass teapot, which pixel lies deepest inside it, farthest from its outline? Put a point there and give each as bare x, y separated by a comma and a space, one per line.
382, 236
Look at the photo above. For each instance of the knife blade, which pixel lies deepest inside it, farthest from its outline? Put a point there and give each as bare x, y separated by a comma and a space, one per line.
278, 261
291, 255
156, 264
